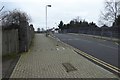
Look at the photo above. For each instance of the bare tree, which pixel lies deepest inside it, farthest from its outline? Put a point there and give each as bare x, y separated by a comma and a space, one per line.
112, 10
14, 17
1, 9
78, 19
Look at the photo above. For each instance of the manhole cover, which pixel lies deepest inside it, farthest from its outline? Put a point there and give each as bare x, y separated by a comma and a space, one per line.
69, 67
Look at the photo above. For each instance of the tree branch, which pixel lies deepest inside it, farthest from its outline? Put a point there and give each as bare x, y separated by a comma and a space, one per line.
1, 9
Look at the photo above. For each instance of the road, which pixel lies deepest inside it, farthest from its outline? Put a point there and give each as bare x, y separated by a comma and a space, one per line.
106, 51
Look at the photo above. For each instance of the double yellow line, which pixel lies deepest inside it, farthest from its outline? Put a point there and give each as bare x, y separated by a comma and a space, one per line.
109, 66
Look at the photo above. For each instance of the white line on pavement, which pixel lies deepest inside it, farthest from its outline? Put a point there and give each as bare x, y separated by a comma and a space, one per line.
57, 48
63, 48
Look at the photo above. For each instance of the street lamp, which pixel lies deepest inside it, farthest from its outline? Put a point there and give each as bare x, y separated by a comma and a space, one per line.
46, 15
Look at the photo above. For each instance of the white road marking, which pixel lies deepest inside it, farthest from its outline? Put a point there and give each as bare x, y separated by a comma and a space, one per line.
116, 43
63, 48
73, 33
92, 42
58, 39
70, 39
104, 40
57, 48
76, 34
108, 46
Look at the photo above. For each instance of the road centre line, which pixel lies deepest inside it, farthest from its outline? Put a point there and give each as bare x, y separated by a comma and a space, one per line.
107, 46
92, 42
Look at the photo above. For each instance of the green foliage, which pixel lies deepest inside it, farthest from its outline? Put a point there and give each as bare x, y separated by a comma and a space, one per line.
77, 25
38, 30
61, 25
15, 17
118, 20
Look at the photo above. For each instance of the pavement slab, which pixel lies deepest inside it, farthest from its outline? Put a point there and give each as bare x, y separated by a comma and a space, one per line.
45, 59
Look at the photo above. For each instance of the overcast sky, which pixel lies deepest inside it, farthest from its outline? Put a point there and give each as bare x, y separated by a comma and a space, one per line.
64, 10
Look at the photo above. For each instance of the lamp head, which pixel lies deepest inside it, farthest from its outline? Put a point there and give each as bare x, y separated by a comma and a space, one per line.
49, 5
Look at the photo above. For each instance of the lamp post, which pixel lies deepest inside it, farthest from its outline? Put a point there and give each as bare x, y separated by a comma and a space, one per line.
46, 15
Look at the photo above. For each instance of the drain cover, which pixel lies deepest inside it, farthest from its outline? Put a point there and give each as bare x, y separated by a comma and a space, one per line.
69, 67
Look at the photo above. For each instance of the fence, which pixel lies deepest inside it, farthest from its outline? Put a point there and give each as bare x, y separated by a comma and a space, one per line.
101, 33
0, 42
26, 34
106, 32
17, 40
10, 41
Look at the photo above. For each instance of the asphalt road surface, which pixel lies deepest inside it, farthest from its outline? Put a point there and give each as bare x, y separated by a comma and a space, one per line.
106, 51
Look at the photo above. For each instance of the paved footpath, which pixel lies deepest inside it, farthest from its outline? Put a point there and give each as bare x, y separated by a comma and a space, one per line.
47, 59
